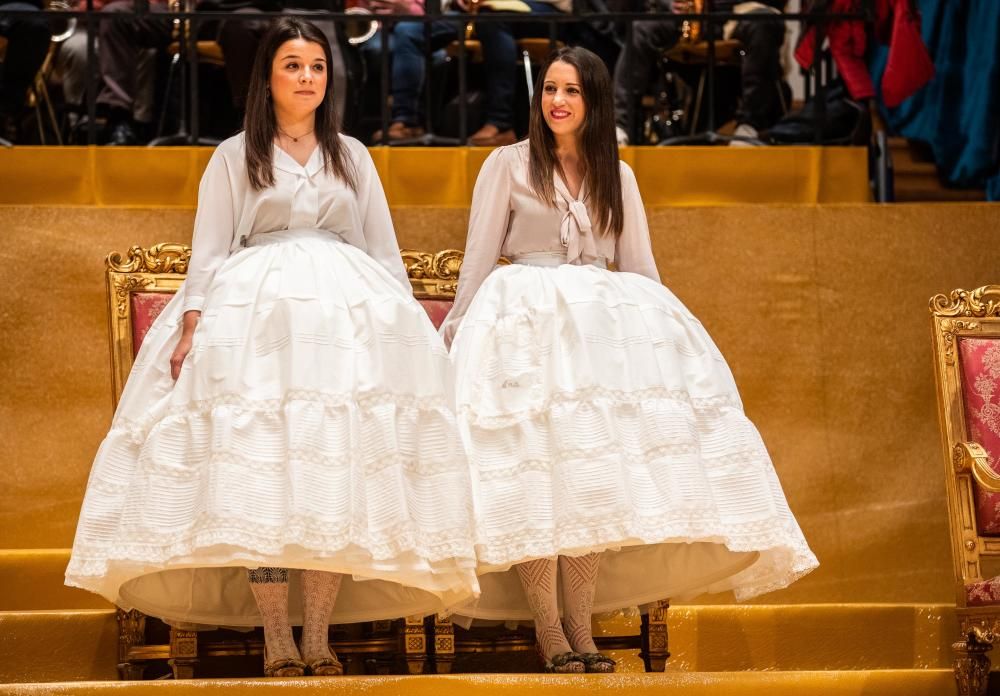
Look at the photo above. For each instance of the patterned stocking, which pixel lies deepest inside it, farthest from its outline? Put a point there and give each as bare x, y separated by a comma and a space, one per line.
270, 589
319, 593
579, 581
539, 581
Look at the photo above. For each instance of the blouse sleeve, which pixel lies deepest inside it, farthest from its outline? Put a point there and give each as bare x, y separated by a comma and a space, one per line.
488, 222
376, 222
634, 251
214, 229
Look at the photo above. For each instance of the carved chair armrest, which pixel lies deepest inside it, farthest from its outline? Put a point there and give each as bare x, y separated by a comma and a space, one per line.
970, 457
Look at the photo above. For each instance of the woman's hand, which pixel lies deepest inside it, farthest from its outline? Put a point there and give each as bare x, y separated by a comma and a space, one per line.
184, 345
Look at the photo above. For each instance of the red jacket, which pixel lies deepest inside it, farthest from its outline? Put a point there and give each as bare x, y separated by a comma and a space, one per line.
897, 23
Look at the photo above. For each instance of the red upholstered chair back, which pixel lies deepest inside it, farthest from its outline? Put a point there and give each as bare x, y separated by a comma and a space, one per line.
979, 360
142, 281
146, 306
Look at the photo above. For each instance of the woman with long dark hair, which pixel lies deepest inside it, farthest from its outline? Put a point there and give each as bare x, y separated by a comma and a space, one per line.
607, 441
287, 408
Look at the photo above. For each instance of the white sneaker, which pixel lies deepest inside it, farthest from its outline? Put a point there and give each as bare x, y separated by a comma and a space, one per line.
621, 136
744, 130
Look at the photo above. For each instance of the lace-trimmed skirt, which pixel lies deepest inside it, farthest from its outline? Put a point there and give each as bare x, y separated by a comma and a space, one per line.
308, 429
598, 415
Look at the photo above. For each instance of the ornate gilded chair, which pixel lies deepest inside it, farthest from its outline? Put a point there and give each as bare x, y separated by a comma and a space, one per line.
139, 285
966, 328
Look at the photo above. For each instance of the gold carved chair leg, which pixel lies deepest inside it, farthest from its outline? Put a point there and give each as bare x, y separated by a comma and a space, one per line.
131, 634
415, 644
444, 645
183, 653
972, 664
655, 639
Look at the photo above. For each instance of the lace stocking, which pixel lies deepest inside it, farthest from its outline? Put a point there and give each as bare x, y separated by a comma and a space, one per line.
539, 581
579, 582
319, 593
270, 589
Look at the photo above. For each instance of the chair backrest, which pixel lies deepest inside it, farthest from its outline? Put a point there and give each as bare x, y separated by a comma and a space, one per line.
434, 278
966, 326
141, 282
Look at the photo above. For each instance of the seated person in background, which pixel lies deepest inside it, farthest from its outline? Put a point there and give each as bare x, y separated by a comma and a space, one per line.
71, 72
239, 40
28, 37
761, 69
499, 55
124, 92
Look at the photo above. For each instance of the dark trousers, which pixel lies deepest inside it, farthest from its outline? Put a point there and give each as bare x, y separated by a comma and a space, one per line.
28, 39
761, 68
499, 41
118, 50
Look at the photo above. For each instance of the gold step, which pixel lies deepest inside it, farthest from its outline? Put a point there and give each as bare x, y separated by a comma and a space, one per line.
937, 682
32, 579
811, 637
44, 646
39, 646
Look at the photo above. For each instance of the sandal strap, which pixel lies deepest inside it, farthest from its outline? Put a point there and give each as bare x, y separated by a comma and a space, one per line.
562, 659
283, 663
596, 657
326, 662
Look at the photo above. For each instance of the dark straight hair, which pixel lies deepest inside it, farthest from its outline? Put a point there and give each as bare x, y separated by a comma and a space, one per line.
598, 146
259, 124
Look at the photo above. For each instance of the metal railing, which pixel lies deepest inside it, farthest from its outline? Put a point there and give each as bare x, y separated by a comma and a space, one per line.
89, 19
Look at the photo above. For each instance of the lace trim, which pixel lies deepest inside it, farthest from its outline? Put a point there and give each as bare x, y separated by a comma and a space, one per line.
753, 458
419, 466
319, 537
589, 395
138, 429
785, 555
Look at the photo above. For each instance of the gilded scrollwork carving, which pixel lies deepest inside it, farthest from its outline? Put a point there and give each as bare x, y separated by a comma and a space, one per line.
981, 302
131, 631
159, 258
972, 665
443, 266
949, 330
423, 265
971, 457
125, 285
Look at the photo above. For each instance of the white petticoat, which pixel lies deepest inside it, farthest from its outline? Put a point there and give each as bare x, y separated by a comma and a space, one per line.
308, 429
598, 415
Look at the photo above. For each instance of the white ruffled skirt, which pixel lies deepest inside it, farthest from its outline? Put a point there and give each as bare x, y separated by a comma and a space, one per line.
308, 429
599, 416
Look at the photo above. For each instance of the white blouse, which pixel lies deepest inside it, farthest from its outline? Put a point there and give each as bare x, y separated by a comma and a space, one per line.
230, 210
508, 219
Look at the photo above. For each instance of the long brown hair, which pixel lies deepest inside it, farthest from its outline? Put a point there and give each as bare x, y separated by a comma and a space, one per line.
598, 147
260, 126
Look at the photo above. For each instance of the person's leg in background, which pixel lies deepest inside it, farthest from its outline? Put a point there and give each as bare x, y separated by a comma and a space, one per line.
760, 106
635, 65
120, 44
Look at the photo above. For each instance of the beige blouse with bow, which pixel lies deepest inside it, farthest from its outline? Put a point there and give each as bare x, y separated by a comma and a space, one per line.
508, 219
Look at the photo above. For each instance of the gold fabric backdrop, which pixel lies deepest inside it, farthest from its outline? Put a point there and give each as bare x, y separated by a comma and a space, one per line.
821, 311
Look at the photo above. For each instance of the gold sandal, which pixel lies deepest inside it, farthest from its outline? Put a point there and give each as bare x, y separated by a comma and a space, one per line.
326, 667
284, 667
599, 663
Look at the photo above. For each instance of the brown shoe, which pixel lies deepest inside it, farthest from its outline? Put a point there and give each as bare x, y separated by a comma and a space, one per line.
398, 131
491, 136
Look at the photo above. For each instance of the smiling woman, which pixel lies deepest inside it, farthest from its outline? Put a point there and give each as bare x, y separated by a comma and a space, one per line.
606, 437
287, 407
